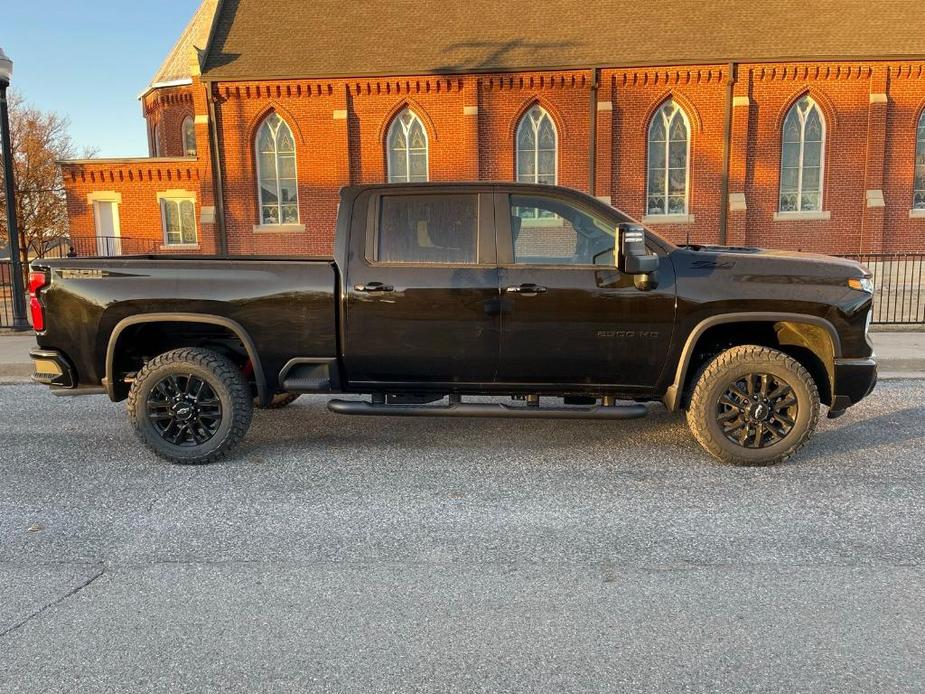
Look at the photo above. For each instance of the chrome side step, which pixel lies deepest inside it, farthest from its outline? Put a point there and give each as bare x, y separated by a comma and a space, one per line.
472, 409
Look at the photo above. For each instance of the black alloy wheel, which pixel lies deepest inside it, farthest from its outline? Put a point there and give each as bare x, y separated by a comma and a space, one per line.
184, 409
757, 410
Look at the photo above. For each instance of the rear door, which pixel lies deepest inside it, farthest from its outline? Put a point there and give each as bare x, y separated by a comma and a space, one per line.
570, 318
421, 289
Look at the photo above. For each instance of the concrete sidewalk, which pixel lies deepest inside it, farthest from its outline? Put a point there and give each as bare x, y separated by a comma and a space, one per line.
901, 355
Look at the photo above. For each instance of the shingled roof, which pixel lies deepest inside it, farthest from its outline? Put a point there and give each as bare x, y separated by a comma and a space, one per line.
176, 66
254, 39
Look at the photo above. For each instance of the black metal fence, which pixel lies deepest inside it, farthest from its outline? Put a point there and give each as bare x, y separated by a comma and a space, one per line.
6, 295
899, 286
87, 246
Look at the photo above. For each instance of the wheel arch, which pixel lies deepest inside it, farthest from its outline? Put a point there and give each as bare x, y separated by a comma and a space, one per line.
812, 340
232, 326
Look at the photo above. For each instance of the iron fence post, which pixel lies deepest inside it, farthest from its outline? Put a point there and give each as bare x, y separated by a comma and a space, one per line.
16, 279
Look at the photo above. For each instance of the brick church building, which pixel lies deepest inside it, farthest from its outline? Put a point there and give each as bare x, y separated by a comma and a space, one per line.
782, 124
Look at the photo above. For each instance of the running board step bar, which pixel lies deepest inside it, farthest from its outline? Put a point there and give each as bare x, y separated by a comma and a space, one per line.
472, 409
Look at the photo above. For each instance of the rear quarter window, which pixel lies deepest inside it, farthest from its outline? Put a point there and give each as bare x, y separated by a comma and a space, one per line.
428, 229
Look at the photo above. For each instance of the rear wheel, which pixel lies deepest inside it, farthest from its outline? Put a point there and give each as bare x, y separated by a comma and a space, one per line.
190, 405
753, 405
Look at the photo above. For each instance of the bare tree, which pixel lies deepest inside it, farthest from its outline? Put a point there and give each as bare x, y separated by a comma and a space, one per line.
39, 140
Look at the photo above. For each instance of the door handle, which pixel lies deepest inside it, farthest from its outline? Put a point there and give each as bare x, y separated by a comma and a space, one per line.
374, 287
528, 289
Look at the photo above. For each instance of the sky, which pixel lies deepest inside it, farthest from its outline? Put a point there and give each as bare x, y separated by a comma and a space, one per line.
89, 60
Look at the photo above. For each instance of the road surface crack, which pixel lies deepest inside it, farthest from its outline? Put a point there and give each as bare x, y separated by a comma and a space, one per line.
53, 603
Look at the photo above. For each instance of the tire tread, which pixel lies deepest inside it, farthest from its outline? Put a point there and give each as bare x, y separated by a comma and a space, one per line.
225, 371
699, 408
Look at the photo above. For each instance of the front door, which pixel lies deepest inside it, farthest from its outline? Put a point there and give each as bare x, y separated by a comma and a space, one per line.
422, 291
570, 318
108, 241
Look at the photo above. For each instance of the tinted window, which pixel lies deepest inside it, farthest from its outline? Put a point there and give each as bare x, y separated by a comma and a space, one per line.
550, 231
428, 229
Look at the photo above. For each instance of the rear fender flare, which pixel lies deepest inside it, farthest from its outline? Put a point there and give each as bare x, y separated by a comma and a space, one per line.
233, 326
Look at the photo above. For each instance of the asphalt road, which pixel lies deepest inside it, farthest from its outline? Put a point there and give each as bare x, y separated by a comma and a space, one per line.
354, 554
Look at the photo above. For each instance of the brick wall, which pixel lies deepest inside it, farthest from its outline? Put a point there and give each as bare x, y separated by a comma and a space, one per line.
340, 128
136, 185
165, 110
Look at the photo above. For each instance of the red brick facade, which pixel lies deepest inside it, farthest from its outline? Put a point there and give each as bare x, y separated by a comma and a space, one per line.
870, 110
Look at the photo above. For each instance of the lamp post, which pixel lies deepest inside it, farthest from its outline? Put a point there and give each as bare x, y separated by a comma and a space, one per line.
19, 304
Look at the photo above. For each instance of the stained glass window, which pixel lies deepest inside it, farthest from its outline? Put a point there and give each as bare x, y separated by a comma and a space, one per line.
407, 149
189, 137
669, 140
179, 218
537, 147
801, 161
276, 172
918, 196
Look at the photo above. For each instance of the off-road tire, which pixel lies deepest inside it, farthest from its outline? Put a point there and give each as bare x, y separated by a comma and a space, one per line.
223, 378
279, 401
716, 376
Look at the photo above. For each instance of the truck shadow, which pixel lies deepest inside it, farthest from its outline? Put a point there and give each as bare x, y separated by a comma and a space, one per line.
859, 434
309, 423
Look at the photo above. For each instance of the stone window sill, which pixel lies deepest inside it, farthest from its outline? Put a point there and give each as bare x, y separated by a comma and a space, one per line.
917, 214
656, 219
278, 228
802, 216
180, 247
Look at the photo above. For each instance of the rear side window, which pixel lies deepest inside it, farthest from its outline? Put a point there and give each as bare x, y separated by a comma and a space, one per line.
438, 229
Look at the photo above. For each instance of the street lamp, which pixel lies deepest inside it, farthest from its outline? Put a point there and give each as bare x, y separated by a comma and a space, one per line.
19, 303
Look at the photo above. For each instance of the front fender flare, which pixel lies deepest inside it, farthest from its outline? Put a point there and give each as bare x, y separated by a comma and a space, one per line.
673, 393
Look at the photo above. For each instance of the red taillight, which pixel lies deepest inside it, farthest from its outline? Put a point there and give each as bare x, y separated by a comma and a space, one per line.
37, 280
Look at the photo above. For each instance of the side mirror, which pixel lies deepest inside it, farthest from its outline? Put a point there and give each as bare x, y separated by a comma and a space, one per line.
633, 257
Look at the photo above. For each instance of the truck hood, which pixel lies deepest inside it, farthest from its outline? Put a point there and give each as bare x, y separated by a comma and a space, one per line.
812, 264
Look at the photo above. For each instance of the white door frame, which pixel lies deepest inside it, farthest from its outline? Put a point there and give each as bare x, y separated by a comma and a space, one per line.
114, 199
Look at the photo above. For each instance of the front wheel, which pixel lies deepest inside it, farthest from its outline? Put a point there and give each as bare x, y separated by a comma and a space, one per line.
753, 405
190, 405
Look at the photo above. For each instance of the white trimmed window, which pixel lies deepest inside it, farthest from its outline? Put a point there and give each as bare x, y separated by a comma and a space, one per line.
918, 195
276, 172
178, 218
407, 149
802, 158
189, 137
537, 148
668, 157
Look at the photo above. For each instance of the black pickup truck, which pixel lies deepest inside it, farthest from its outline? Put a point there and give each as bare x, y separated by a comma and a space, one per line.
438, 292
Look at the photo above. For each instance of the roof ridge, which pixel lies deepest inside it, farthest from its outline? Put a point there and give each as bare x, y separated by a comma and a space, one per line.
176, 66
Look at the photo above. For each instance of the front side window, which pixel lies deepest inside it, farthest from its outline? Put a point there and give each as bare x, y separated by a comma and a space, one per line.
179, 219
549, 231
537, 147
407, 149
802, 148
918, 197
433, 229
189, 137
276, 172
669, 146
